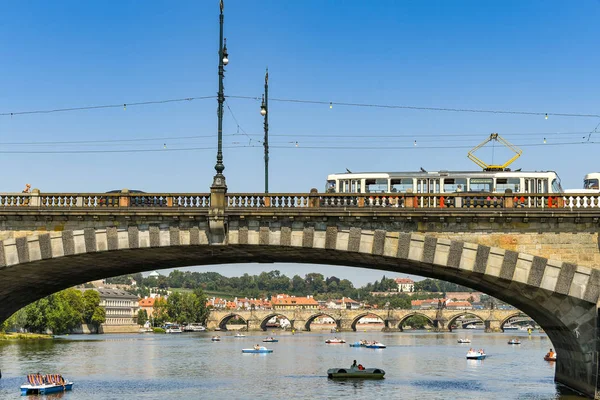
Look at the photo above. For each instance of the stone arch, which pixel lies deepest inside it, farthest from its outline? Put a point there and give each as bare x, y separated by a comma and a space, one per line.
362, 315
222, 324
561, 297
314, 316
412, 314
454, 317
265, 319
505, 320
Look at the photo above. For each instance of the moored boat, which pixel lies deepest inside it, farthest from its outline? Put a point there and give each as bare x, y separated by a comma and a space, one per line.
270, 340
465, 340
354, 373
257, 350
476, 355
239, 335
514, 341
335, 341
194, 327
172, 328
45, 384
216, 338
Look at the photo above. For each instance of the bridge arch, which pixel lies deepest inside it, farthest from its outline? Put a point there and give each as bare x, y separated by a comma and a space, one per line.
561, 297
505, 320
222, 324
309, 320
264, 320
463, 313
413, 314
365, 314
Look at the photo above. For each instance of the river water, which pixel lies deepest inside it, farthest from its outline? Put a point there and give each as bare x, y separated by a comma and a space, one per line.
418, 365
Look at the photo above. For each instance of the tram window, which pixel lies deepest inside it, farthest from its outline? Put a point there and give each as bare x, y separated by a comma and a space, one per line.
330, 187
481, 184
591, 184
376, 185
507, 183
455, 185
556, 188
401, 185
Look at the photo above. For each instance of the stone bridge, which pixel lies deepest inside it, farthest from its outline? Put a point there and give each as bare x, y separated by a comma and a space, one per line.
538, 252
346, 320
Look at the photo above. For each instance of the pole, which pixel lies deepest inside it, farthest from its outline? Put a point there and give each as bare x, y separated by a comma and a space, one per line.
219, 179
266, 139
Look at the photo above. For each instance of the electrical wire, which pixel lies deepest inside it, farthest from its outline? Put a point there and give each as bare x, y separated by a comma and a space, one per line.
404, 107
300, 101
124, 105
238, 124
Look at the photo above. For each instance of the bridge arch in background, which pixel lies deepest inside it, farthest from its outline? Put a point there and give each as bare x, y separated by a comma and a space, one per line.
223, 322
365, 314
402, 321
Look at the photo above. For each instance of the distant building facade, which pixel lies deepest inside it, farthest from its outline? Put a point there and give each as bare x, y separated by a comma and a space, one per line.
406, 285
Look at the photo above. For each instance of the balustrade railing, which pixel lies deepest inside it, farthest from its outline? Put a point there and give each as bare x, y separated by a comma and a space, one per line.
464, 200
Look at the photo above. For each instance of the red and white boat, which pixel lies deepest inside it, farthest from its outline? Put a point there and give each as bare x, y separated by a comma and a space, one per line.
335, 341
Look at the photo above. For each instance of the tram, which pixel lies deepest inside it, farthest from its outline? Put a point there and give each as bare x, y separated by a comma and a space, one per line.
446, 182
591, 184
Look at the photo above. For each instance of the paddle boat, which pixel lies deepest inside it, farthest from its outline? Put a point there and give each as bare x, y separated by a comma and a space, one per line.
355, 373
356, 344
476, 355
257, 350
44, 384
465, 340
239, 335
514, 341
550, 356
375, 345
216, 338
335, 341
270, 340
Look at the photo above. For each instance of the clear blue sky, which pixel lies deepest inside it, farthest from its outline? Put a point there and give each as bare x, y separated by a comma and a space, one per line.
538, 56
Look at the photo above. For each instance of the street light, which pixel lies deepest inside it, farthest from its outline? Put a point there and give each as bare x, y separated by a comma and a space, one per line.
219, 179
264, 111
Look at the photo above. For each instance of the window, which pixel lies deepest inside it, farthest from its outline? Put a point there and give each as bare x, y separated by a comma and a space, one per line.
455, 185
508, 183
481, 184
591, 184
401, 185
376, 185
556, 188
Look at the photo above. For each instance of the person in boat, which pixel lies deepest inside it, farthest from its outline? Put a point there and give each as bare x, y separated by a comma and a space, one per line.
550, 354
353, 367
256, 347
360, 367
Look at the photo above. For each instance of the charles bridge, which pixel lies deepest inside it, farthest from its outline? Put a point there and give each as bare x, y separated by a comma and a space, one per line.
538, 252
346, 320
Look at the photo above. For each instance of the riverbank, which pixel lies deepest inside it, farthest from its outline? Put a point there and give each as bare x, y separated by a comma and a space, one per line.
24, 336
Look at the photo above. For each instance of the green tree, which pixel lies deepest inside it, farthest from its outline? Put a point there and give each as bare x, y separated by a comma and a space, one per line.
93, 313
201, 311
142, 316
66, 312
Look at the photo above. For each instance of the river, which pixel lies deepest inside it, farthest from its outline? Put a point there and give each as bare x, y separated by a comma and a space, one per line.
418, 365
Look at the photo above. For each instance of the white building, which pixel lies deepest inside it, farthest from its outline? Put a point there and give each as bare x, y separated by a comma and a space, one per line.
405, 285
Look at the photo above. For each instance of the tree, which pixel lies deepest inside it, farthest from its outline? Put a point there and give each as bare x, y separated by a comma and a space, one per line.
93, 314
67, 311
142, 316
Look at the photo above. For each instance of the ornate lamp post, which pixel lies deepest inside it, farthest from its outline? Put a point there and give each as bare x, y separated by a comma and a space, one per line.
219, 179
264, 111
